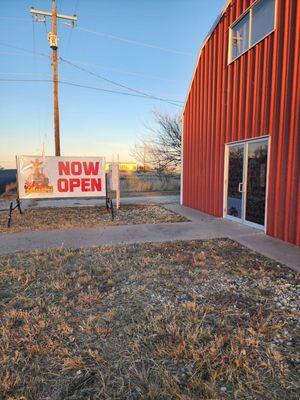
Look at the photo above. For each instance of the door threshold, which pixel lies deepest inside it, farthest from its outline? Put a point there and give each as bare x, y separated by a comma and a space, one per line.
246, 223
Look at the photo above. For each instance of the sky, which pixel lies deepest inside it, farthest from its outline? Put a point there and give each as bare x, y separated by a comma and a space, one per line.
93, 122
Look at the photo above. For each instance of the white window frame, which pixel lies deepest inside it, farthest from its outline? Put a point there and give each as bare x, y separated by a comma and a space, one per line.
249, 11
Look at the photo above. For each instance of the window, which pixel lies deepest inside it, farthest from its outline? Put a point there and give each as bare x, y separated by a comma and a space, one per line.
263, 16
240, 36
255, 24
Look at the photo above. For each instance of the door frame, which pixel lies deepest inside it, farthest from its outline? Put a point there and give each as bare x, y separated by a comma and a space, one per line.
245, 142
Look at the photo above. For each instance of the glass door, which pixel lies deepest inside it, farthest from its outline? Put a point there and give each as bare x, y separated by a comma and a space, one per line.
235, 181
257, 162
246, 182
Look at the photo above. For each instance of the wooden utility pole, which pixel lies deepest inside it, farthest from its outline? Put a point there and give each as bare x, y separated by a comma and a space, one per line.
53, 40
55, 81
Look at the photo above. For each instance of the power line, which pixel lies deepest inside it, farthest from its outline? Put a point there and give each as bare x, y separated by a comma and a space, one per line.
69, 39
93, 74
4, 53
86, 87
24, 73
37, 112
114, 37
60, 5
33, 44
25, 50
72, 27
135, 42
76, 6
130, 73
45, 24
15, 19
119, 84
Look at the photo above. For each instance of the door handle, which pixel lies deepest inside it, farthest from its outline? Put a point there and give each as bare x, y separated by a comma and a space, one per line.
241, 187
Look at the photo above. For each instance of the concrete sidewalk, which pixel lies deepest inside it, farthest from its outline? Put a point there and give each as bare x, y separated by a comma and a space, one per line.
202, 226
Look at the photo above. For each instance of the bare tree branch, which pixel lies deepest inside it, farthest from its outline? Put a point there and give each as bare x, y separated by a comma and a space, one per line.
162, 150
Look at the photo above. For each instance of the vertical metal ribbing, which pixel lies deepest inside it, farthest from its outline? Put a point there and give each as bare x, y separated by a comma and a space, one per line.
251, 97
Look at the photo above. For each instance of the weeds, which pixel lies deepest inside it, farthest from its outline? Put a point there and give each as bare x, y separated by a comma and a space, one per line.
148, 322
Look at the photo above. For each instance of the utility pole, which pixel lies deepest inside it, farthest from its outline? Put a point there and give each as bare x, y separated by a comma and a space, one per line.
53, 40
55, 79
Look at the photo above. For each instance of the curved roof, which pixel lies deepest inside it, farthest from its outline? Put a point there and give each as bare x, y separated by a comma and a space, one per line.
214, 25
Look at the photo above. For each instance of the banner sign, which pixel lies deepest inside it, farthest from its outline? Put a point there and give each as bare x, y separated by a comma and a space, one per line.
51, 177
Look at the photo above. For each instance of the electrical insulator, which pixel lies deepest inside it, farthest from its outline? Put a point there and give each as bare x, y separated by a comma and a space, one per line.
52, 40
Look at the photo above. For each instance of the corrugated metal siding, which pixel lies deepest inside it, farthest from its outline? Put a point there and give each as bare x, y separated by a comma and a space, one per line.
257, 94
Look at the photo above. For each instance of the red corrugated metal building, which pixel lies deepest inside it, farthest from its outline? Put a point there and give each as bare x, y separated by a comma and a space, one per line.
241, 120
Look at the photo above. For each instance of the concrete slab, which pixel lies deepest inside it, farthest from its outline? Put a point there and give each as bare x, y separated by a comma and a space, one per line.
89, 237
283, 252
201, 226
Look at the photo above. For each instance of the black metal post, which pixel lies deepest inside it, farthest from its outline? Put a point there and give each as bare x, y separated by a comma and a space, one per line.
11, 209
106, 193
19, 206
10, 213
112, 210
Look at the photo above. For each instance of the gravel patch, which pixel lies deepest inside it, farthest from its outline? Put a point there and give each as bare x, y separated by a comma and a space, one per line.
41, 219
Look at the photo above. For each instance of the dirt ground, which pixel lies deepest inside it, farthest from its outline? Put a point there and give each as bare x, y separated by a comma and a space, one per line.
183, 320
37, 219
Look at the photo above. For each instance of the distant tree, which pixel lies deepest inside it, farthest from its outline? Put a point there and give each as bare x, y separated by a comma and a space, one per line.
142, 154
167, 134
161, 151
1, 168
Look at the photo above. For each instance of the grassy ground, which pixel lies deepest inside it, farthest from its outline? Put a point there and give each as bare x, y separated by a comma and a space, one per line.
183, 320
81, 216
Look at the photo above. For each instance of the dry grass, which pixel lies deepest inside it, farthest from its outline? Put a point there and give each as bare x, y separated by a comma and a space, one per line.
38, 219
184, 320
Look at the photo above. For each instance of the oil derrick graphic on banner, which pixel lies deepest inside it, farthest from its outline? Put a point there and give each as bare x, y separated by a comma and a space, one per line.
37, 182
